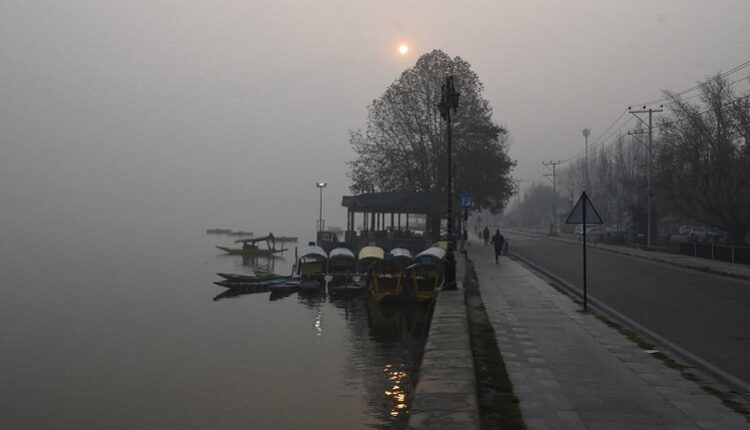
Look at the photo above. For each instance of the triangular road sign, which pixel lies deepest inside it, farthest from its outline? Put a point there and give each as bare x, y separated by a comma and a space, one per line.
577, 214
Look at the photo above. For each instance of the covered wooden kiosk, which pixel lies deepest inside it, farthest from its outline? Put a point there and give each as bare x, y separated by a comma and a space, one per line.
387, 219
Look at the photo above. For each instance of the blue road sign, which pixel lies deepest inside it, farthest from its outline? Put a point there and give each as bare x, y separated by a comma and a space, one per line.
467, 200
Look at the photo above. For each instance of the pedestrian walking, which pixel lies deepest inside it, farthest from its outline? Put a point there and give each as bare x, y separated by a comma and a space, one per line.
498, 240
486, 235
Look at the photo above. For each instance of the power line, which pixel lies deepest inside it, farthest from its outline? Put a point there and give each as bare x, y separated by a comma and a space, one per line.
602, 141
695, 87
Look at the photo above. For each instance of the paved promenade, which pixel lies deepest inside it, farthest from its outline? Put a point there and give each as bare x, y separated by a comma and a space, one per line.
572, 371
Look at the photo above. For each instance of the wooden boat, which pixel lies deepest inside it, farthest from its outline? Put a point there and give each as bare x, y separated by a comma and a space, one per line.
311, 263
253, 284
250, 247
402, 257
257, 276
422, 279
384, 277
342, 266
291, 284
310, 286
368, 256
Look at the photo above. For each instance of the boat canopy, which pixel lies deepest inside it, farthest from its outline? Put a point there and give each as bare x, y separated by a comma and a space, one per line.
402, 254
312, 252
432, 255
371, 252
342, 253
442, 244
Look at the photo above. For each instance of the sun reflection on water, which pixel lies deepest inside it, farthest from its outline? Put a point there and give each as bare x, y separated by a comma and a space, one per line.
396, 394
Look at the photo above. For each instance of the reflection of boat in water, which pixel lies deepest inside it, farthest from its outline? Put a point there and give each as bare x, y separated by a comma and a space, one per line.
388, 320
250, 247
236, 292
280, 294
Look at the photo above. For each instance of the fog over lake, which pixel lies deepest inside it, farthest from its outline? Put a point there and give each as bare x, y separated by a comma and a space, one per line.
129, 128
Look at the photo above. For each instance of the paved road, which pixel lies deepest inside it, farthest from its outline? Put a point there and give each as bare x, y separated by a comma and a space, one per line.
708, 315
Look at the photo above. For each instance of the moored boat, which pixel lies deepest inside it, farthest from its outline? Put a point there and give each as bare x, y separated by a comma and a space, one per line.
311, 263
252, 284
251, 247
257, 276
422, 279
342, 266
368, 256
384, 277
402, 257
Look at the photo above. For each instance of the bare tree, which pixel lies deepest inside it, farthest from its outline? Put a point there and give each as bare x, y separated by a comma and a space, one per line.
704, 158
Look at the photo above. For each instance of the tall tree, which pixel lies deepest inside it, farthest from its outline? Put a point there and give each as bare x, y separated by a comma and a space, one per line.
704, 158
404, 145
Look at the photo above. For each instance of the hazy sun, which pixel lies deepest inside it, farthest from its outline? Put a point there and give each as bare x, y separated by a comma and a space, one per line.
403, 49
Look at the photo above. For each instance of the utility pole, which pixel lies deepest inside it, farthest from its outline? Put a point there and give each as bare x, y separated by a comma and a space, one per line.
586, 133
554, 192
650, 112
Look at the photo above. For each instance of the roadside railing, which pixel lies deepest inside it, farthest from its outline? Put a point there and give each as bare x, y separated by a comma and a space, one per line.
728, 253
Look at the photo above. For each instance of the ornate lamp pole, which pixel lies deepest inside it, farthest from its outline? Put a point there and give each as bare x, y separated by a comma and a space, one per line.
448, 103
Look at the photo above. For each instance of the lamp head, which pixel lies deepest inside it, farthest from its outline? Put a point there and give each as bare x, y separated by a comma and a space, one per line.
321, 184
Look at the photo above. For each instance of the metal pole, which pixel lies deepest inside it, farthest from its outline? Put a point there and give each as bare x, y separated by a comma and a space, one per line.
585, 295
320, 212
450, 185
650, 112
448, 102
648, 215
586, 133
587, 161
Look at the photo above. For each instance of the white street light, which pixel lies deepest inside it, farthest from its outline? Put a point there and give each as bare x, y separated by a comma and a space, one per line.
320, 185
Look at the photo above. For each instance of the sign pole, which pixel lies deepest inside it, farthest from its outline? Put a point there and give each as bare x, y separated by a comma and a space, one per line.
582, 216
585, 301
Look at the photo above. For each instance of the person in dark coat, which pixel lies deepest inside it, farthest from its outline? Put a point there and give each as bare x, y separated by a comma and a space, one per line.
498, 240
486, 235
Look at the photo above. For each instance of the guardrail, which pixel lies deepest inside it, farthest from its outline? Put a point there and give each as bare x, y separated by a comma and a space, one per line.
728, 253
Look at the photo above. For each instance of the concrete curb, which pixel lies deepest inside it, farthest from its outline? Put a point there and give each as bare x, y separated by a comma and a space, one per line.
446, 393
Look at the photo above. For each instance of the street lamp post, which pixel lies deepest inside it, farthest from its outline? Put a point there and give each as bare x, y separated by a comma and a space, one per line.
448, 103
586, 133
320, 185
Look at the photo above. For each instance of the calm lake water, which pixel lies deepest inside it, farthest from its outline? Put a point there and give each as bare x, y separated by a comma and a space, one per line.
122, 331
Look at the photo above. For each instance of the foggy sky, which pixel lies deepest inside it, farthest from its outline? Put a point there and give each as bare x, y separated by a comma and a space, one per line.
225, 113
